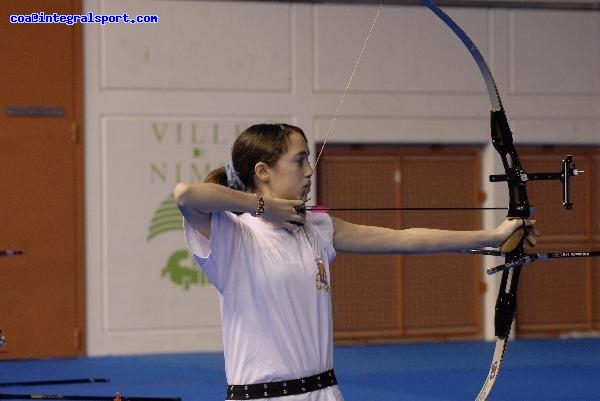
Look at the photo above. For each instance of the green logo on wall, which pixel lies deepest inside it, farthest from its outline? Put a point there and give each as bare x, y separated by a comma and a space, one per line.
167, 218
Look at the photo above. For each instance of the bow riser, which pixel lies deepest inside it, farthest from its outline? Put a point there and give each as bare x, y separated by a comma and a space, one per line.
518, 207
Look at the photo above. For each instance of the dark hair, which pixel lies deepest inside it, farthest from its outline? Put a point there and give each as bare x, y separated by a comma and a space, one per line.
259, 143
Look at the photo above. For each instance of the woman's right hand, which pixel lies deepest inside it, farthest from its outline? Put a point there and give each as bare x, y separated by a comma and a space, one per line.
284, 213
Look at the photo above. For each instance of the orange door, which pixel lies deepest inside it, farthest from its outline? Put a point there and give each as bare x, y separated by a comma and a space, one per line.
41, 195
382, 298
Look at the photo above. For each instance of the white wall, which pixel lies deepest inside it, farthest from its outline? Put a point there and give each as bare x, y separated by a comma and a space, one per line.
165, 101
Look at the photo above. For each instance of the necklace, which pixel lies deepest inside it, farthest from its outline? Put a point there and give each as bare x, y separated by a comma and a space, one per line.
321, 281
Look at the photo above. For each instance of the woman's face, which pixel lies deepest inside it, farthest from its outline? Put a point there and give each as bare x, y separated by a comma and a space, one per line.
290, 177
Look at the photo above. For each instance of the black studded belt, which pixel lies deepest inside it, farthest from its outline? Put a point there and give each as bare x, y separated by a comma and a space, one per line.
281, 388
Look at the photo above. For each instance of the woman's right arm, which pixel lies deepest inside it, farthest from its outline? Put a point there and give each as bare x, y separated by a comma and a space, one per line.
197, 201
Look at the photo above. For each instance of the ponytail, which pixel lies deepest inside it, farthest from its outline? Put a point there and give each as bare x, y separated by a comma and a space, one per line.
217, 176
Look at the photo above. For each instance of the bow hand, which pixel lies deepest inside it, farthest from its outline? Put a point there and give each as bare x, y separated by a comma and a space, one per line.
514, 231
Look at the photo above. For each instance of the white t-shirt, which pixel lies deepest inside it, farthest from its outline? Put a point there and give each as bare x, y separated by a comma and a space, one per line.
275, 301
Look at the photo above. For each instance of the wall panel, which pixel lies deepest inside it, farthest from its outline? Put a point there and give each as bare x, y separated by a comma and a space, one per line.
218, 66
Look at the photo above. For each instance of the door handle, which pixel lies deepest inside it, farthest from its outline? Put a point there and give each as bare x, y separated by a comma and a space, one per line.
12, 252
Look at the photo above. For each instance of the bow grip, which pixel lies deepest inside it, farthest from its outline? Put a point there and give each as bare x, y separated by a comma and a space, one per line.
513, 241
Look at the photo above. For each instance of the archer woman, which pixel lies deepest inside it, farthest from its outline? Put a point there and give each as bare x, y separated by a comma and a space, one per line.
270, 263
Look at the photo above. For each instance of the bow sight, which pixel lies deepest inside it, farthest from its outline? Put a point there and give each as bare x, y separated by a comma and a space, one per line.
567, 171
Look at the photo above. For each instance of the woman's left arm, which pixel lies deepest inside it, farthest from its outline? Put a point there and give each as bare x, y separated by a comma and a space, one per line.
350, 237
